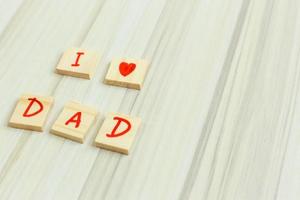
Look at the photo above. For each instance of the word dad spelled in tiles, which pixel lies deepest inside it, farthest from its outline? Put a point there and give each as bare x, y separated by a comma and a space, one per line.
116, 134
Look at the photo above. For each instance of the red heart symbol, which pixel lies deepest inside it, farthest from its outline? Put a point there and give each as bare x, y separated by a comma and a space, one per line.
126, 68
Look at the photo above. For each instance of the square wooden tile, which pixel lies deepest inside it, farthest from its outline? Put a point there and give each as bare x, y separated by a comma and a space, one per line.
117, 133
128, 73
78, 63
74, 121
31, 112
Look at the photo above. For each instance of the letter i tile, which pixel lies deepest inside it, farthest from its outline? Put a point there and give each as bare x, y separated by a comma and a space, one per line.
78, 63
117, 133
74, 122
31, 112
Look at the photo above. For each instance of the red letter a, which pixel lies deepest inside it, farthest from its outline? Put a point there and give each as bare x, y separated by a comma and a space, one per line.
75, 119
33, 100
113, 133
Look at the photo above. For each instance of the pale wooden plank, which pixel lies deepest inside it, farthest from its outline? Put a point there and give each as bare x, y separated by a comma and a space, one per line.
244, 151
31, 52
8, 8
218, 105
153, 173
288, 184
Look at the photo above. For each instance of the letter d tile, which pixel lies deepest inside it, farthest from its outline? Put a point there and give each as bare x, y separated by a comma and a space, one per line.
117, 133
31, 112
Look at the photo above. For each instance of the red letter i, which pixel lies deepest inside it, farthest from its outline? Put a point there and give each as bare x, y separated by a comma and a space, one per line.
76, 64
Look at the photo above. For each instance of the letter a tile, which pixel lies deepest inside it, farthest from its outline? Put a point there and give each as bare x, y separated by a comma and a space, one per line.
31, 112
74, 122
78, 63
128, 73
117, 133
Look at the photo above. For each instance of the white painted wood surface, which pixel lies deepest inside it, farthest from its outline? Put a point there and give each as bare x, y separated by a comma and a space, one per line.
220, 105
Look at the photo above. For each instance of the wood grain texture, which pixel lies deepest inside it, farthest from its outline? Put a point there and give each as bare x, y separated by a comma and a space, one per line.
219, 105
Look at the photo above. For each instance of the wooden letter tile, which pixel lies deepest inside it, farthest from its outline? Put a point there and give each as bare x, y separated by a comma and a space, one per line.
78, 63
31, 112
128, 73
117, 133
74, 121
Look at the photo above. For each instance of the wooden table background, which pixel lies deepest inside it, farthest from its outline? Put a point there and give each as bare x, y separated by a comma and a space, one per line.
220, 104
